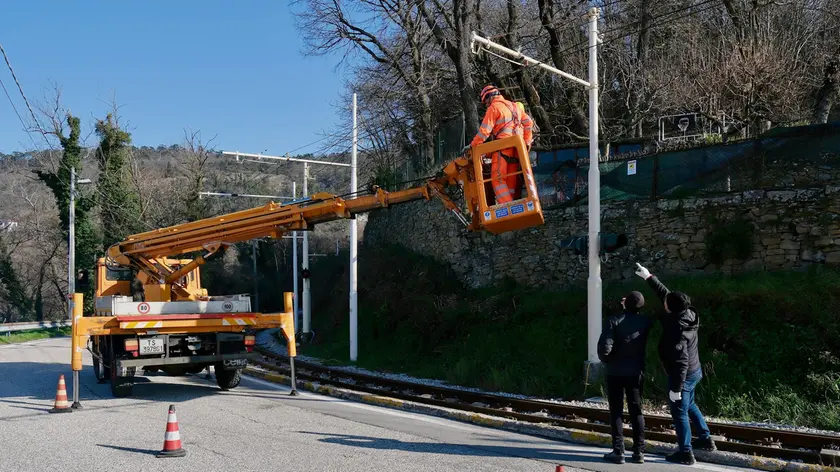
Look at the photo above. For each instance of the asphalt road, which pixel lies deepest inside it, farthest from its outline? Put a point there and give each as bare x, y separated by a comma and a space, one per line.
254, 427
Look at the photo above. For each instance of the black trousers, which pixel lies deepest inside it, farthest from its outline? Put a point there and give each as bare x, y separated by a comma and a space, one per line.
617, 387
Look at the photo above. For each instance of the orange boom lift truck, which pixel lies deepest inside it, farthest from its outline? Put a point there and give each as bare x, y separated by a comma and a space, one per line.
151, 311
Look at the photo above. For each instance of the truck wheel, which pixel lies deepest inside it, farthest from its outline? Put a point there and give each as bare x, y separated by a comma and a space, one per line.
101, 372
227, 379
120, 386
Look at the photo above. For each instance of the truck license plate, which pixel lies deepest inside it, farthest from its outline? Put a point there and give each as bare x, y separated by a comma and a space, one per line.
151, 346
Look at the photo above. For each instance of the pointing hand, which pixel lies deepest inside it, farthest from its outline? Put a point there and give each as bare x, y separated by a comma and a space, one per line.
642, 272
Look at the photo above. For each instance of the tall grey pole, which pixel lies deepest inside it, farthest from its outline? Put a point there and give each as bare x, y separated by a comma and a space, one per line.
295, 265
71, 246
256, 306
71, 275
594, 283
354, 259
306, 300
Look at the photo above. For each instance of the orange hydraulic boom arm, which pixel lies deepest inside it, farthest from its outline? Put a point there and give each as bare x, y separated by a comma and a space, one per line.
147, 252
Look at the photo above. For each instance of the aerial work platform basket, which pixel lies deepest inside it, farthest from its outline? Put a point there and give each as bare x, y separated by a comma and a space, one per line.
524, 211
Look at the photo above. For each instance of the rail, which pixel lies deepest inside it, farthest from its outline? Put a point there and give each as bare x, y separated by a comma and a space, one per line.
9, 328
765, 442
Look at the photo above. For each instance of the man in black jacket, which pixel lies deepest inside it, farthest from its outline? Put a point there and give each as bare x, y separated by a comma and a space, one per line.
622, 348
678, 352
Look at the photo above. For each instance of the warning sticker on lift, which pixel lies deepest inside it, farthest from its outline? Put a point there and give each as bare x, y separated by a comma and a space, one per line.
530, 206
501, 212
487, 215
143, 308
516, 209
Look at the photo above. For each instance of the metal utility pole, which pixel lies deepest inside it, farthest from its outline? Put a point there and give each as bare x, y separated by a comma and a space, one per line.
71, 276
354, 259
71, 271
256, 282
71, 247
594, 295
295, 301
307, 300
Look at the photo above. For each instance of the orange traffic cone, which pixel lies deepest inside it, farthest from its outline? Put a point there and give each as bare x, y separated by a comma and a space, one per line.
61, 403
559, 468
172, 438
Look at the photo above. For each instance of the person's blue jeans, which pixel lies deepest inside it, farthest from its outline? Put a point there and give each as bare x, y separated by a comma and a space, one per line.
686, 409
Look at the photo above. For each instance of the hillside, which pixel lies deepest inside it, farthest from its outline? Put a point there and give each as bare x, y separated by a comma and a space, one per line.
166, 180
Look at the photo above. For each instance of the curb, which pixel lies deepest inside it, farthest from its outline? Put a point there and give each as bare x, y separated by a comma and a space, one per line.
552, 432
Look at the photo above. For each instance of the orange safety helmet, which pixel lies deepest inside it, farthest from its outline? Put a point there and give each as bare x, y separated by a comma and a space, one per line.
488, 91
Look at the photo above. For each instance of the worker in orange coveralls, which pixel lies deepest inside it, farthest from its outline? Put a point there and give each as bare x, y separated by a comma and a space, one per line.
503, 119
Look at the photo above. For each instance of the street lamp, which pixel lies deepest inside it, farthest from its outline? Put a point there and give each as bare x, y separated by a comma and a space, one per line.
71, 269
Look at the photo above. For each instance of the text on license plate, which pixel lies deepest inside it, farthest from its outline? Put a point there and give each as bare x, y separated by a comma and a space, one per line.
151, 346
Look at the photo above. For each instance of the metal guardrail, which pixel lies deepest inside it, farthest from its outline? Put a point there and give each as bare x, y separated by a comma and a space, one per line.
8, 328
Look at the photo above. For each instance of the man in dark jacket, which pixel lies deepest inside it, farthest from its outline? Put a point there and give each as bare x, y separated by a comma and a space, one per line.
678, 352
622, 348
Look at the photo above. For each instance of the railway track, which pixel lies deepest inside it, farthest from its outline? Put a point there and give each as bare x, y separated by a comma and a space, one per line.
765, 442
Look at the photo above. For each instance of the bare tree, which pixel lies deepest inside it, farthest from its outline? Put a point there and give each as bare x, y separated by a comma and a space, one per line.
454, 39
393, 37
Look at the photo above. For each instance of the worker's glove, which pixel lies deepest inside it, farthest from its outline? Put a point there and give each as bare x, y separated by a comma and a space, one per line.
675, 396
642, 271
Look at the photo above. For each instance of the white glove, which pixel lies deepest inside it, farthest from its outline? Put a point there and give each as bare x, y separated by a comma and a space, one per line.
642, 271
675, 396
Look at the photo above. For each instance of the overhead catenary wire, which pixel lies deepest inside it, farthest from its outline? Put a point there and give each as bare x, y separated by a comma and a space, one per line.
20, 89
651, 25
582, 45
370, 132
23, 123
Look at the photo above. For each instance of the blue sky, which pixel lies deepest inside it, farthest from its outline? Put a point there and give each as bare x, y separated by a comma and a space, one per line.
234, 72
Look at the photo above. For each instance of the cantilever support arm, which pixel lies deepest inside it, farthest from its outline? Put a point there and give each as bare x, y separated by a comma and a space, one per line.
213, 251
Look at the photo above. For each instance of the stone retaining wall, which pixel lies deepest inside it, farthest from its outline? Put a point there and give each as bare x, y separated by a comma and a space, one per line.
748, 231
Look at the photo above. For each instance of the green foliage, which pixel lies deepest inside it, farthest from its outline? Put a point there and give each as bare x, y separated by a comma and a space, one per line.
34, 334
87, 239
727, 240
119, 202
12, 290
768, 342
385, 177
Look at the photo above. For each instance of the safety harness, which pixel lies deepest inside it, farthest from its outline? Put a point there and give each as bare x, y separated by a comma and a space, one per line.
517, 129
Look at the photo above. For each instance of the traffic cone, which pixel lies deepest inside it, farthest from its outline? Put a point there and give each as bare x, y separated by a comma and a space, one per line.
559, 468
61, 403
172, 438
